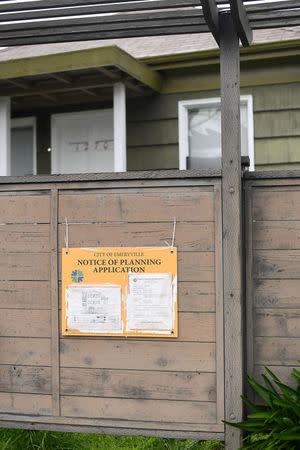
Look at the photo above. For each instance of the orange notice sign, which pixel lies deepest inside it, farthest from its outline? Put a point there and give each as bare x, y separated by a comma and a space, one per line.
119, 291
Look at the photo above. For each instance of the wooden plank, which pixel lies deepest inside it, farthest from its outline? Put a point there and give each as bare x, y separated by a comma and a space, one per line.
195, 386
276, 264
194, 236
31, 5
103, 180
21, 351
211, 15
25, 294
25, 403
276, 235
249, 285
277, 123
159, 410
279, 323
25, 379
109, 22
139, 355
25, 422
54, 305
278, 168
24, 208
94, 9
198, 297
277, 293
190, 204
125, 425
24, 238
199, 327
274, 178
24, 266
276, 351
192, 266
241, 22
276, 204
25, 323
178, 27
219, 304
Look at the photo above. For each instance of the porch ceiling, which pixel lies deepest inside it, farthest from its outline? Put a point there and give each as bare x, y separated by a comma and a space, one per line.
75, 77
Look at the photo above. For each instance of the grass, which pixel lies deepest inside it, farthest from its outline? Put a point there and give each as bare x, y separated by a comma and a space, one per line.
48, 440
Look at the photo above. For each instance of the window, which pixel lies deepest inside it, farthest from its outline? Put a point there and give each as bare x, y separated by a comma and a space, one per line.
200, 132
23, 146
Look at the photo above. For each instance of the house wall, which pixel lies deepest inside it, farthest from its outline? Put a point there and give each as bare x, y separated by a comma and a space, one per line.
153, 127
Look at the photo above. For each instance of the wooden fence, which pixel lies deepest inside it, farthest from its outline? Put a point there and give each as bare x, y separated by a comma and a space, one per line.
104, 384
148, 386
273, 273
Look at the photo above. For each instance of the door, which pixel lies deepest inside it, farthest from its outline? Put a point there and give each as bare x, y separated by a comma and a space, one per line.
23, 146
82, 142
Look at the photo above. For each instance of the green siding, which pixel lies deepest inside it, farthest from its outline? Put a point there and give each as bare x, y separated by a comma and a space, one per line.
152, 157
153, 121
277, 124
152, 128
277, 150
152, 132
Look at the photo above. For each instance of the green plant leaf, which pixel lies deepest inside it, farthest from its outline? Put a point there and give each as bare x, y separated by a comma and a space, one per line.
272, 374
269, 384
256, 408
261, 415
278, 422
264, 393
288, 436
247, 426
296, 374
288, 392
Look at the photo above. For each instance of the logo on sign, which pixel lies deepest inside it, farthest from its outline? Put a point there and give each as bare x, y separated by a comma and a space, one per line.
77, 276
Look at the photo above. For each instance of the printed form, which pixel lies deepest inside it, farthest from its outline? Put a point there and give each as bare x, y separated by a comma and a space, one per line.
150, 302
94, 308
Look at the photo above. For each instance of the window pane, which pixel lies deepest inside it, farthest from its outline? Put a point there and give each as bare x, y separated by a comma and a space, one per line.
204, 132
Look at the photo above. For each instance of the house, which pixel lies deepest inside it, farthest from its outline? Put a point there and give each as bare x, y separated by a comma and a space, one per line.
145, 103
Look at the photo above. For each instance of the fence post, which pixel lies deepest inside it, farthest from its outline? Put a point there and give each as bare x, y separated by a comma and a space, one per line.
232, 226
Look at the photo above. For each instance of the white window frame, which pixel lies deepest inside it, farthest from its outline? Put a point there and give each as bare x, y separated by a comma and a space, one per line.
183, 139
28, 122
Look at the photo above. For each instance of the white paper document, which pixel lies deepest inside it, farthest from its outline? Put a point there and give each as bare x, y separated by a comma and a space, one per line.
150, 302
94, 308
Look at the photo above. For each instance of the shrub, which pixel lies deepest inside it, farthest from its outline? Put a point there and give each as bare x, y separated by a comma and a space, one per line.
277, 424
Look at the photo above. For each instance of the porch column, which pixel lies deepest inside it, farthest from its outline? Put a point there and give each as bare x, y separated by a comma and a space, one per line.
232, 227
4, 136
120, 162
